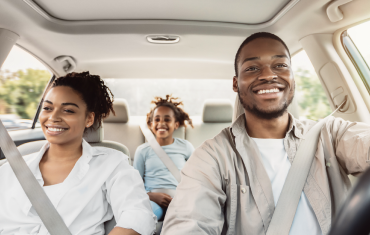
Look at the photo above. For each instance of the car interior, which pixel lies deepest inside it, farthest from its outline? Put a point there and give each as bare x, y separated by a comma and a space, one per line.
151, 43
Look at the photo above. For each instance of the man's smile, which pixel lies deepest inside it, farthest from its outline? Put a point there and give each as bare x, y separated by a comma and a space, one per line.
269, 90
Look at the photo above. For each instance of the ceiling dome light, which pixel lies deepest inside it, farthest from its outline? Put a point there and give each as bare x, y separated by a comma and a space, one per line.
163, 39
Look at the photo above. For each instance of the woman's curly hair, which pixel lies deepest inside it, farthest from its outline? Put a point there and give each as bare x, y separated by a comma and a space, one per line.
97, 96
180, 115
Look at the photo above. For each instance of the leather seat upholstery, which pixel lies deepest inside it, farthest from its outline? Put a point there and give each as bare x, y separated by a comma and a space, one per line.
217, 115
121, 129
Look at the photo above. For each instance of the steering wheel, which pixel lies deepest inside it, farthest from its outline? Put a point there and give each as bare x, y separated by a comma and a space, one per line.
353, 217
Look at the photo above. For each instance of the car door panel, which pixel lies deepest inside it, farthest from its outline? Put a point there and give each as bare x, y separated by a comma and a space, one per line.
23, 136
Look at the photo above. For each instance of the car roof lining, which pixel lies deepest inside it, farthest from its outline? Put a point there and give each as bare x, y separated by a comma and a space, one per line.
118, 49
260, 13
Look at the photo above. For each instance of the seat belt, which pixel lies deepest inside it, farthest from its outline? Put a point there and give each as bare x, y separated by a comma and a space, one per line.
287, 204
149, 136
39, 200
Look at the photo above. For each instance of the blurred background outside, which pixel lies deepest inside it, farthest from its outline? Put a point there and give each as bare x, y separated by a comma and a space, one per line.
22, 81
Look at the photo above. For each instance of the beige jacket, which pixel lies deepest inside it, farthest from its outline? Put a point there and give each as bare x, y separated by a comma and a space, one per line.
223, 192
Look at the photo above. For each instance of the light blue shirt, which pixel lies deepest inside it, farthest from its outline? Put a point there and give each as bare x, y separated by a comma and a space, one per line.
154, 173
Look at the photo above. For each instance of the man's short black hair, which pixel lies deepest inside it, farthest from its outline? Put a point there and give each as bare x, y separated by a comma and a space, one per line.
253, 37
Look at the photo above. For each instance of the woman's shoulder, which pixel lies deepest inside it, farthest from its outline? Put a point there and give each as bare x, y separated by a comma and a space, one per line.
104, 149
112, 154
5, 167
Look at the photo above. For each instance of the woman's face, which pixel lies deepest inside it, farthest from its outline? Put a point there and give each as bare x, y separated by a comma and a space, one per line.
64, 116
164, 122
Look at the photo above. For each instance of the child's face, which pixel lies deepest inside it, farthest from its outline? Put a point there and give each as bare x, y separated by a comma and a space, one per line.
164, 122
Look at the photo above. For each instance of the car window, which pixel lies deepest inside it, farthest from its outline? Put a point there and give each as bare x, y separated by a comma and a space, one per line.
193, 92
356, 43
360, 35
310, 94
22, 81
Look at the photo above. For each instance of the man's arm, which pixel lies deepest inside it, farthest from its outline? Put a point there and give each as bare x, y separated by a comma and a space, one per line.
123, 231
351, 144
198, 205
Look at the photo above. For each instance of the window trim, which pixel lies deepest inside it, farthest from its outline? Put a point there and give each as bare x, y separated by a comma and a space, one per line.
36, 117
357, 59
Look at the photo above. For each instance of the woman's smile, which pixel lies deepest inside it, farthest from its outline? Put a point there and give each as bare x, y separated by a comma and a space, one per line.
55, 130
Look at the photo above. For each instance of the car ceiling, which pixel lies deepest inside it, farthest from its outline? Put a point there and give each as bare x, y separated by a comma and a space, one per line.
238, 11
109, 37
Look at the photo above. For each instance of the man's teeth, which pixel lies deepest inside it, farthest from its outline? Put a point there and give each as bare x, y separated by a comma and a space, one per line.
268, 91
56, 129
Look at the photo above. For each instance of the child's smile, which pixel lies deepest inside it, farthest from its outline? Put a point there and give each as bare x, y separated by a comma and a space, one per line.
164, 124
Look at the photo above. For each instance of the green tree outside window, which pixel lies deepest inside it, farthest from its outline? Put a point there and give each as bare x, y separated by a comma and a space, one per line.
311, 96
21, 91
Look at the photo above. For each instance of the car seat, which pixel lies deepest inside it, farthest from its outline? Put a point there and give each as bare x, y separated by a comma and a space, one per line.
217, 115
121, 129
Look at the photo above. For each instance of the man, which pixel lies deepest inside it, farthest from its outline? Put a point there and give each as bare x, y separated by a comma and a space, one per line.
231, 184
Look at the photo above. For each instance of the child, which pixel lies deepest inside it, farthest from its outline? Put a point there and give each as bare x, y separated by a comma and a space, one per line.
163, 120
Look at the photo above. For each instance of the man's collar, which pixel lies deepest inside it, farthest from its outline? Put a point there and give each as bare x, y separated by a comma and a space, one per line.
294, 125
238, 127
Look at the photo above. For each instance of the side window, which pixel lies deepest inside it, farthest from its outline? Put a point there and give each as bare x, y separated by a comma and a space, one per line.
22, 81
310, 95
355, 41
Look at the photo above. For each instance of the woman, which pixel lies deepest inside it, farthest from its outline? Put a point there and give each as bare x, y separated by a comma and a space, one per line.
163, 120
87, 185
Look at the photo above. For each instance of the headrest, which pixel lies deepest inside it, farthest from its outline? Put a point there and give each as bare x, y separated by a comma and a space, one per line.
238, 108
94, 135
120, 107
217, 111
293, 108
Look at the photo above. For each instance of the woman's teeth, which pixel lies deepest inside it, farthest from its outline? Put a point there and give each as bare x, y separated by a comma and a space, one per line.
268, 91
162, 129
56, 129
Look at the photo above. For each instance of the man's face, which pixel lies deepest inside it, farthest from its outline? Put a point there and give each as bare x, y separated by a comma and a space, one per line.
265, 82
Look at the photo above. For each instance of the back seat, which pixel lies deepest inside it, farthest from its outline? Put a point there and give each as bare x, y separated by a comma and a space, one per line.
217, 114
121, 129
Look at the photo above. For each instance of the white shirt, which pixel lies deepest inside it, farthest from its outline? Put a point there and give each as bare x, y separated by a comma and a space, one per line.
100, 185
275, 160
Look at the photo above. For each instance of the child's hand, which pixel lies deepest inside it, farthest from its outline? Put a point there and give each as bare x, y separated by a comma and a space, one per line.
161, 199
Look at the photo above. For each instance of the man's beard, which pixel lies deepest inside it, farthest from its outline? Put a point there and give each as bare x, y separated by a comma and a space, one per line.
263, 114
